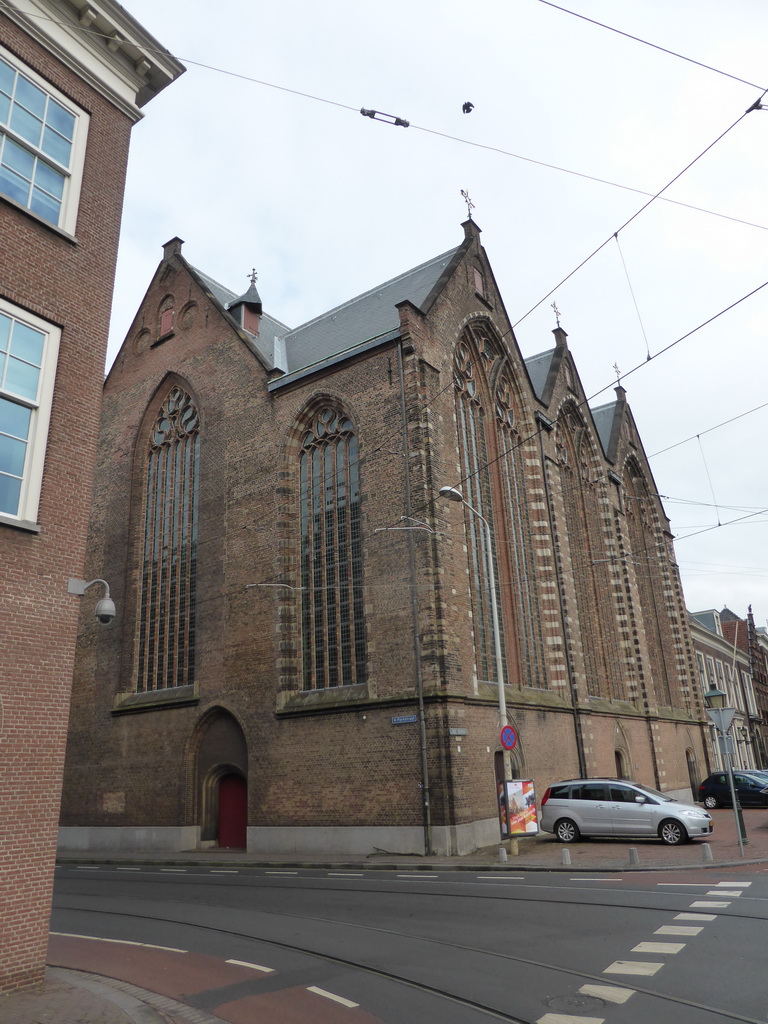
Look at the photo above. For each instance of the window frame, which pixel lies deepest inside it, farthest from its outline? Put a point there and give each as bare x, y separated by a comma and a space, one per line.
73, 173
37, 439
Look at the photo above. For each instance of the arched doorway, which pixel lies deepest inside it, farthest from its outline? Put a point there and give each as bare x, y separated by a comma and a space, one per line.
232, 816
222, 781
621, 765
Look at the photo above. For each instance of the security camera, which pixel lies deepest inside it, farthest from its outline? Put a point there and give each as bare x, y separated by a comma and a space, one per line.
105, 610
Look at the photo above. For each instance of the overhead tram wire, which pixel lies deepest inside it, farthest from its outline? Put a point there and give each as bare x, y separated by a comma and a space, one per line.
653, 196
637, 213
717, 426
587, 399
654, 46
432, 131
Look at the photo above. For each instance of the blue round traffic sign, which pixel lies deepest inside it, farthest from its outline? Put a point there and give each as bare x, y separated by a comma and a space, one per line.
508, 737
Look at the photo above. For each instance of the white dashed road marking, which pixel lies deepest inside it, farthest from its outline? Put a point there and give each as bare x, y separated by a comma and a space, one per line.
724, 892
678, 929
254, 967
500, 878
330, 995
695, 917
633, 967
610, 993
568, 1018
119, 942
712, 904
658, 947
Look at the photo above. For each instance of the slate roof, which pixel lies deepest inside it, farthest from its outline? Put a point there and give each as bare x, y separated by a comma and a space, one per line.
362, 319
270, 329
370, 315
603, 417
538, 370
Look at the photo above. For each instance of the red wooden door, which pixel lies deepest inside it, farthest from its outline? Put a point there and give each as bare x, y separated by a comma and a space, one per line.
233, 811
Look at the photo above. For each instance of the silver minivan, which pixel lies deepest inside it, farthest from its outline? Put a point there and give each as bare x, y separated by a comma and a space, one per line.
617, 807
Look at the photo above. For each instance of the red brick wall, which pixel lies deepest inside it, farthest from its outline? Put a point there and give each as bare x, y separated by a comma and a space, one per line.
68, 283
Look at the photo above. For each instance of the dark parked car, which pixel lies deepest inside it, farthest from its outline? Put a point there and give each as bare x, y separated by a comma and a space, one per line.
752, 790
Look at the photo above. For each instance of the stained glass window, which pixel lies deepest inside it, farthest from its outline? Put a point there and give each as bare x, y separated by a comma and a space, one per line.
332, 619
166, 628
475, 459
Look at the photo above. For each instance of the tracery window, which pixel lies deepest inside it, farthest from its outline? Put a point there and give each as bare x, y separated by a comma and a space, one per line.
590, 559
473, 448
332, 612
511, 464
166, 626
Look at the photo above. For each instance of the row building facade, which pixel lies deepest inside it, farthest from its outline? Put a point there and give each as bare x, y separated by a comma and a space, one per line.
310, 638
73, 79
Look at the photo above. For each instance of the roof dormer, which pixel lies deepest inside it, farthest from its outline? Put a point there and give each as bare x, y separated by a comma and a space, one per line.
246, 310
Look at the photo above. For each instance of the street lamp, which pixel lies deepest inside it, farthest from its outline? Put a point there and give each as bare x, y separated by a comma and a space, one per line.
722, 718
452, 494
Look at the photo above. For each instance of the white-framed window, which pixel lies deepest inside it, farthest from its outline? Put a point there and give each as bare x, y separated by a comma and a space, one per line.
29, 348
42, 144
749, 690
702, 672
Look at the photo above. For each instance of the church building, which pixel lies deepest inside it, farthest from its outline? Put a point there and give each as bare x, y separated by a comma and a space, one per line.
334, 548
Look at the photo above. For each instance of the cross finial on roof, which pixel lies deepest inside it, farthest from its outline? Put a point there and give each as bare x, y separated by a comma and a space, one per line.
557, 313
468, 201
617, 371
252, 276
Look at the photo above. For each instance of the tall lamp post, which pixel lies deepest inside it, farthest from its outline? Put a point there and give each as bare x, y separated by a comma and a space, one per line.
452, 494
722, 718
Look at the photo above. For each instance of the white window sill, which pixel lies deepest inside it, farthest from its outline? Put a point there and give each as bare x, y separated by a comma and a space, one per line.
20, 524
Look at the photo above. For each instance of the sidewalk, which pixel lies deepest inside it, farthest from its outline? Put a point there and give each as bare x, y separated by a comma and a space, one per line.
535, 853
74, 997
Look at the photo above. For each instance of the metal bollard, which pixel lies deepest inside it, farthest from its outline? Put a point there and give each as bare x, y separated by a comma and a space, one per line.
566, 856
634, 856
502, 855
706, 853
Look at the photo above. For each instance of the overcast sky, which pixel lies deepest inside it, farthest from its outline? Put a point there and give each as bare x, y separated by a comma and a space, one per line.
325, 203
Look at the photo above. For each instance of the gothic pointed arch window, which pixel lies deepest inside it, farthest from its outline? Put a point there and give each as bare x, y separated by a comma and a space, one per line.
591, 562
512, 476
654, 580
167, 606
333, 648
476, 473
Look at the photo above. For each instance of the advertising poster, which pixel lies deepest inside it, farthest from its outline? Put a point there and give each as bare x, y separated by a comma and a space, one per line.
517, 808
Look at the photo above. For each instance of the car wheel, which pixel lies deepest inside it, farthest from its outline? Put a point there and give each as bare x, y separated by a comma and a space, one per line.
710, 801
567, 831
672, 832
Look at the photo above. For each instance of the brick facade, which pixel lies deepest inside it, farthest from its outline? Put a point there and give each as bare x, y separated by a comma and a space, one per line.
67, 281
597, 652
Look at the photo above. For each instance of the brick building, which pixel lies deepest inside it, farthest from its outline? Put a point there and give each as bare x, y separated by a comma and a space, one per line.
306, 654
723, 665
72, 79
752, 643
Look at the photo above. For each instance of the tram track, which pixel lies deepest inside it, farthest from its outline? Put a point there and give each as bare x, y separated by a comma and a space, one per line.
663, 1002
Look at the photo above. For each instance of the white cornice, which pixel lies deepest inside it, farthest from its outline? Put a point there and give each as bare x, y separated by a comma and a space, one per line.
103, 44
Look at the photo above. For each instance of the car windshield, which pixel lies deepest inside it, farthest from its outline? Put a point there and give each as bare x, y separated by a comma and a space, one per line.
654, 792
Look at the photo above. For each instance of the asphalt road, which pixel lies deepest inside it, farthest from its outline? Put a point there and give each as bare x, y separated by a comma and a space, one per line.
260, 946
